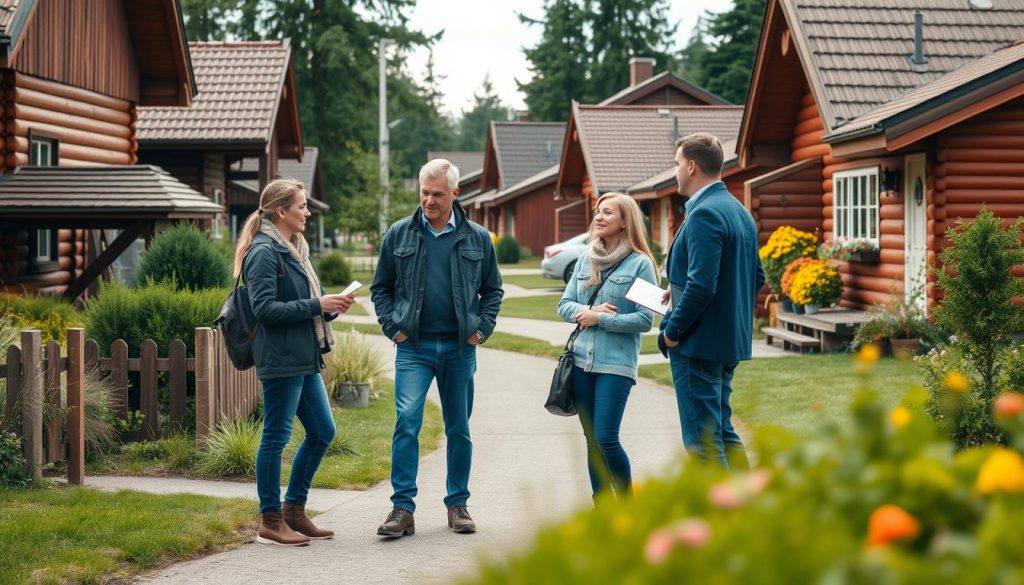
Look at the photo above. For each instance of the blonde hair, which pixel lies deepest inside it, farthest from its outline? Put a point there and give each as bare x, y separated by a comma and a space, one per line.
635, 234
439, 167
278, 194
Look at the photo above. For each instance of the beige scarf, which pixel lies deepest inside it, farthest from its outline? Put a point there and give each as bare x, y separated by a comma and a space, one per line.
601, 259
324, 335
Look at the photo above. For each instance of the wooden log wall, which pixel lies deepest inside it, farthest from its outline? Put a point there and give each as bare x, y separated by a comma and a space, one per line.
91, 129
81, 44
977, 163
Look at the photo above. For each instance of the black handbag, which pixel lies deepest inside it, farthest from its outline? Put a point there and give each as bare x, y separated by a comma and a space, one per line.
237, 324
560, 401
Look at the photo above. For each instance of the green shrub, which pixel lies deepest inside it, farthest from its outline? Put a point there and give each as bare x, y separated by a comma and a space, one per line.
186, 256
884, 500
977, 307
51, 315
507, 250
144, 451
156, 311
231, 448
12, 462
333, 270
178, 451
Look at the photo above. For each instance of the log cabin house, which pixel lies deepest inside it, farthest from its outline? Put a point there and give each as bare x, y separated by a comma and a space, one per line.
649, 177
246, 106
74, 74
515, 153
245, 193
630, 149
886, 121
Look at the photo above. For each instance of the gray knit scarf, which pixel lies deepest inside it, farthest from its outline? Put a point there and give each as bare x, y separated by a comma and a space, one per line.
300, 252
601, 259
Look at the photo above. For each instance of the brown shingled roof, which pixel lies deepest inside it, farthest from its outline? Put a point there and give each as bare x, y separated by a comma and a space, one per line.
624, 145
240, 88
855, 51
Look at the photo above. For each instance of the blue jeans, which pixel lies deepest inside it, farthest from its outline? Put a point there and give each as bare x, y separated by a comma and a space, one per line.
601, 401
702, 394
284, 399
453, 364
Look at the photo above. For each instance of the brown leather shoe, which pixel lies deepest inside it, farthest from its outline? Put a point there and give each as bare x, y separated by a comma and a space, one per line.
399, 523
275, 530
295, 517
459, 520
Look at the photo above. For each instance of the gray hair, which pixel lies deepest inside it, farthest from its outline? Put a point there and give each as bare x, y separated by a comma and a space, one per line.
441, 167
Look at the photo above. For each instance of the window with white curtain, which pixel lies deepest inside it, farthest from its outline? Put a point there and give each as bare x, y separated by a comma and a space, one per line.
855, 204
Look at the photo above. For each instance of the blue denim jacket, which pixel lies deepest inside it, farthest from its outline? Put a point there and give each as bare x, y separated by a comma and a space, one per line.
613, 347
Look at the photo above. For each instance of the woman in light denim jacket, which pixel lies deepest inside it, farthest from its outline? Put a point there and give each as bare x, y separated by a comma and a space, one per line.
607, 349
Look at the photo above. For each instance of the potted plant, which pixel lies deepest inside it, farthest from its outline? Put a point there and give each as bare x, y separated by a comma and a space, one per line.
850, 250
901, 321
816, 284
350, 370
787, 283
785, 245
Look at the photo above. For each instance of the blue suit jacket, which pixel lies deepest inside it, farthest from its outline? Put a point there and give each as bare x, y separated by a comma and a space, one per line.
715, 274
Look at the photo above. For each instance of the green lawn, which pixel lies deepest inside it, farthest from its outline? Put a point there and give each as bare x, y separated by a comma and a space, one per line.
366, 434
79, 535
799, 393
533, 281
540, 307
532, 262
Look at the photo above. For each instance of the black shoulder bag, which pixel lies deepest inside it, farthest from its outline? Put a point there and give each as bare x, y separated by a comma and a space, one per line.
560, 401
237, 324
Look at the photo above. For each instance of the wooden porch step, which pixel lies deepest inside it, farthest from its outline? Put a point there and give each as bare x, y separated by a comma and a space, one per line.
791, 338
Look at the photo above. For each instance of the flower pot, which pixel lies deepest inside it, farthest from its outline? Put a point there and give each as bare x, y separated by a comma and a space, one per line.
787, 305
798, 308
354, 395
811, 308
905, 348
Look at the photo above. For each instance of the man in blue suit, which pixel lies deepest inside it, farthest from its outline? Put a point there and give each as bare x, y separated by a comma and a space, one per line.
714, 275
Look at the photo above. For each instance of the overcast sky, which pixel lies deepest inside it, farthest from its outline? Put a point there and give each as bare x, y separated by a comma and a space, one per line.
484, 36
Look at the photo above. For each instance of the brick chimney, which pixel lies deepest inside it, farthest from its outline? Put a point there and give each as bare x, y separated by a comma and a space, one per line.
522, 115
640, 70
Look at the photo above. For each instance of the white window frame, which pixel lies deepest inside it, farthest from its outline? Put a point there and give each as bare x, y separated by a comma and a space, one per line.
855, 204
44, 248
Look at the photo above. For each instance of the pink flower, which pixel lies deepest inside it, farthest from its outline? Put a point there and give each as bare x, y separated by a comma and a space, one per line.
693, 532
659, 545
725, 495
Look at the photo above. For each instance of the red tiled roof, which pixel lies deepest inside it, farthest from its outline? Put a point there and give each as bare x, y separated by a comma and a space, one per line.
239, 85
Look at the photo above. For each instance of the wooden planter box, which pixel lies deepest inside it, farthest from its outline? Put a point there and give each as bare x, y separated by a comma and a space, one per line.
868, 257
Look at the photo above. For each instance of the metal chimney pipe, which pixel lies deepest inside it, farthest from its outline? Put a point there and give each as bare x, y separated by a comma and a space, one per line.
918, 58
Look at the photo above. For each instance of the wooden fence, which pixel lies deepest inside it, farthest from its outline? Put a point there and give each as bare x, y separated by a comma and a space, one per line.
33, 375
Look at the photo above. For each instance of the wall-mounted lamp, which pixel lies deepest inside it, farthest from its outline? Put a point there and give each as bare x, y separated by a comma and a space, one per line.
890, 182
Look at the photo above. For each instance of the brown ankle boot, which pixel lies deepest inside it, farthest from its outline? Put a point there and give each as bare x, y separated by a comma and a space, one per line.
295, 517
276, 531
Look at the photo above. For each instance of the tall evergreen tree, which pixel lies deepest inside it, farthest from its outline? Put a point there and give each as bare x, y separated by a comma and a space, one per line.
558, 62
726, 67
207, 20
622, 29
487, 107
691, 57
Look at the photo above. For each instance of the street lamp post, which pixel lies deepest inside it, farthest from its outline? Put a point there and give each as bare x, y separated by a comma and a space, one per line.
384, 137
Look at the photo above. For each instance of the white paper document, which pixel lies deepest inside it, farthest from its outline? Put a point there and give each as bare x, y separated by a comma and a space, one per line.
647, 295
356, 285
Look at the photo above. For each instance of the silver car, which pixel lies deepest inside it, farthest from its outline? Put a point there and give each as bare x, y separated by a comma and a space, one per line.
560, 259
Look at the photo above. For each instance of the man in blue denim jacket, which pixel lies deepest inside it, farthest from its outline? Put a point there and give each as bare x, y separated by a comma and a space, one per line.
436, 292
714, 274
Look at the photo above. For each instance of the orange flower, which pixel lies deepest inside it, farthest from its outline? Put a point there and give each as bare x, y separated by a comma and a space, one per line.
956, 383
1008, 405
890, 523
900, 417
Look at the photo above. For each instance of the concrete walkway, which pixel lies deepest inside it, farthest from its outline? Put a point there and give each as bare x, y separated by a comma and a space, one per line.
528, 471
